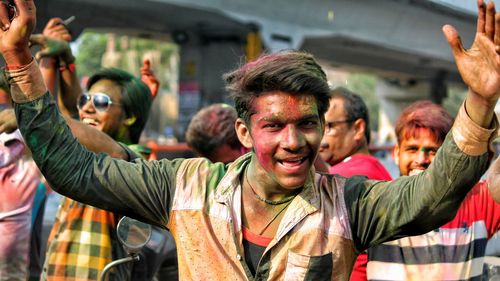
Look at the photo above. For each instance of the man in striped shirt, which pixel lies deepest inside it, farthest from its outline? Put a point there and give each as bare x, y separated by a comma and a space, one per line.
455, 251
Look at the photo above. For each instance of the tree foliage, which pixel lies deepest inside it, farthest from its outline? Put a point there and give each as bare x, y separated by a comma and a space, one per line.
364, 85
90, 48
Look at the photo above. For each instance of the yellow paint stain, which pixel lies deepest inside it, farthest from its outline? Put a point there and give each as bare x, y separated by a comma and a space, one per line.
24, 30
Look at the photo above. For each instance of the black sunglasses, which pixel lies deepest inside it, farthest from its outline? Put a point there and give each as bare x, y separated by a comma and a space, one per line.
100, 101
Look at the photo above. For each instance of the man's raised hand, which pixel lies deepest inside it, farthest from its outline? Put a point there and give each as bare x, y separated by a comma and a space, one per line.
479, 66
15, 33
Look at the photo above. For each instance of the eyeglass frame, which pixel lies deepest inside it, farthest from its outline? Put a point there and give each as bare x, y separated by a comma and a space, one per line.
329, 126
90, 98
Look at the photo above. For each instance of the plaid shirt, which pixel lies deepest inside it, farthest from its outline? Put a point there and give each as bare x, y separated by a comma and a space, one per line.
82, 242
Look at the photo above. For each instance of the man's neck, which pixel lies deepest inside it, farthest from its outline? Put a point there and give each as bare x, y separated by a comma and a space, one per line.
361, 149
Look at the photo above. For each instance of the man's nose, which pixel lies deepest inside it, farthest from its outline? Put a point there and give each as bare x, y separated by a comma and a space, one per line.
423, 157
294, 140
88, 106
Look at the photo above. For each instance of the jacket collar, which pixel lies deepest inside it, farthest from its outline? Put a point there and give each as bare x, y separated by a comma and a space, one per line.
307, 198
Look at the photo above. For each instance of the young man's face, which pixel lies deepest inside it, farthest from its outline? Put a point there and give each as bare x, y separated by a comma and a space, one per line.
284, 132
340, 139
415, 153
110, 120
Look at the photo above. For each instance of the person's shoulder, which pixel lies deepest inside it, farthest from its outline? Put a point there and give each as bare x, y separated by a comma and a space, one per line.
329, 182
479, 197
364, 158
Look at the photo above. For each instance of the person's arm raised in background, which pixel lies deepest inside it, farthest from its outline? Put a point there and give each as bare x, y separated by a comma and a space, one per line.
149, 78
57, 65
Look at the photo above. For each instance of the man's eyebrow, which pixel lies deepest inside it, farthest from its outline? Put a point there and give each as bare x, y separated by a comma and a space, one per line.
277, 119
310, 116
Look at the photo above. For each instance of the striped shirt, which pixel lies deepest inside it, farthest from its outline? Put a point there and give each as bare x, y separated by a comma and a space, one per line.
454, 251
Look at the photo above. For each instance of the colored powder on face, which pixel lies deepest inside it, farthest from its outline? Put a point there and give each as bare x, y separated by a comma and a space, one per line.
24, 29
291, 101
261, 158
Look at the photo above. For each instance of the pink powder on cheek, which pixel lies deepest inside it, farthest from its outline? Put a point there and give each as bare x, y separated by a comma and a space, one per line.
264, 160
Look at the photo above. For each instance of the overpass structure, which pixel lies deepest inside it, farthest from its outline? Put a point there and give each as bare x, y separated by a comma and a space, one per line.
398, 40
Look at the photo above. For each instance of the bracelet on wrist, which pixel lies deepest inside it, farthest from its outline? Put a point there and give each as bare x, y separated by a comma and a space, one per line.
69, 66
16, 67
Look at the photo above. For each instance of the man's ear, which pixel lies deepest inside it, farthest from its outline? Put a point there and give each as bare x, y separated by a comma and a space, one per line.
359, 127
129, 121
395, 154
243, 133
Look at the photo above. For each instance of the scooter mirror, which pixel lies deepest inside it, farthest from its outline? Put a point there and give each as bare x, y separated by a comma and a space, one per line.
133, 234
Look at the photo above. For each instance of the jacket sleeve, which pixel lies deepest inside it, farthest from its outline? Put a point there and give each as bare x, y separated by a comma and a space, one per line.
384, 211
139, 189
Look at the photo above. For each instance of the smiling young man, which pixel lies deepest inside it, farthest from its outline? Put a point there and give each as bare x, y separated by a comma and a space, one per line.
310, 225
454, 251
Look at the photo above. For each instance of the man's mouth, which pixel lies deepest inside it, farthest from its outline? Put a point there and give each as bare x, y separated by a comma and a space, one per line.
414, 172
291, 163
90, 121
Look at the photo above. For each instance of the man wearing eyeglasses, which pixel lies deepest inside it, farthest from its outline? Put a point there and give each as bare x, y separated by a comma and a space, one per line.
347, 135
345, 147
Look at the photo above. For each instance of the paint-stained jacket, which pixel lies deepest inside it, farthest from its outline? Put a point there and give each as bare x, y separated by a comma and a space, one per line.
323, 230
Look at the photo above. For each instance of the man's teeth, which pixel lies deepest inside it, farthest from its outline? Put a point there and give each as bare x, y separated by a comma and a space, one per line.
415, 172
292, 162
89, 121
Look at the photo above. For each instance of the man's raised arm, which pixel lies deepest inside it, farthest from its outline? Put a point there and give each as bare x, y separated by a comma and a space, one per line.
70, 169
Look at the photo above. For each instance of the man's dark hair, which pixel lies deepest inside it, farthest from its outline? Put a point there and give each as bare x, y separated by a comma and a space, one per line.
423, 115
212, 127
136, 97
292, 72
355, 108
